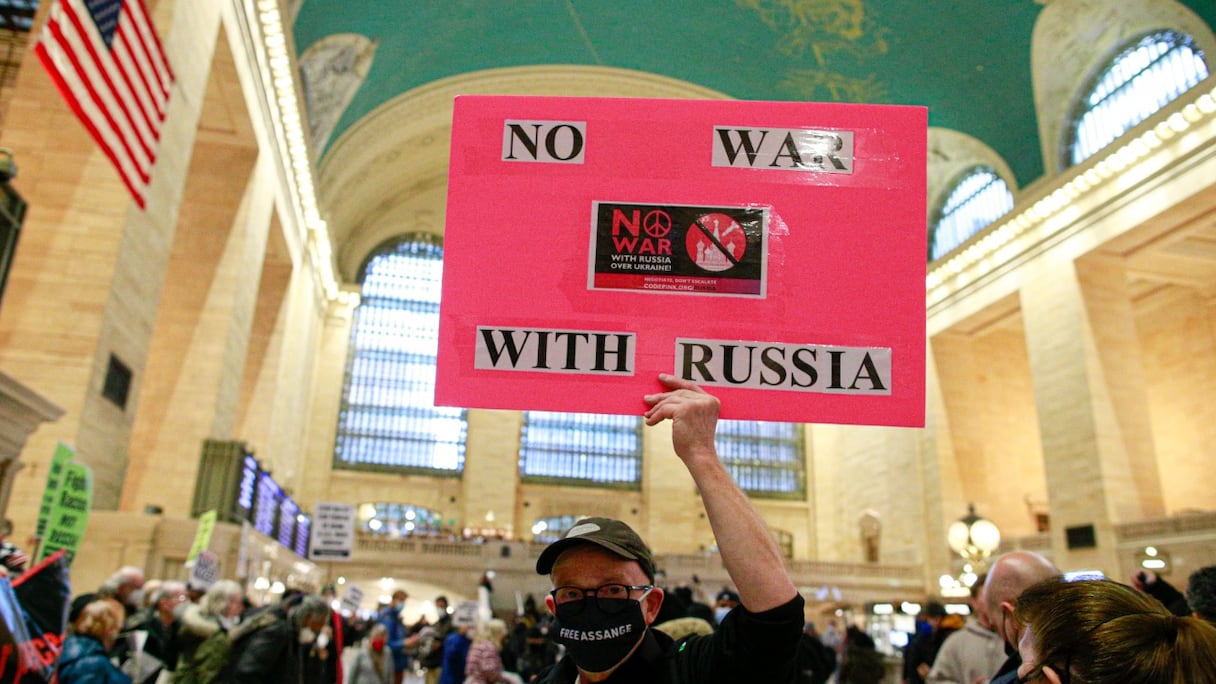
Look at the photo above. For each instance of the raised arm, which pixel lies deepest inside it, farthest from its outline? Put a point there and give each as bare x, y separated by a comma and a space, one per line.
748, 550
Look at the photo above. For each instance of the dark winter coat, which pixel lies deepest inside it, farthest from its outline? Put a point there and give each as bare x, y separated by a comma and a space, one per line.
202, 644
84, 661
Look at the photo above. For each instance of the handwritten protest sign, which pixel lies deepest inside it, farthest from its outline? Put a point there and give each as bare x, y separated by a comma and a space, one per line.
63, 454
69, 515
202, 536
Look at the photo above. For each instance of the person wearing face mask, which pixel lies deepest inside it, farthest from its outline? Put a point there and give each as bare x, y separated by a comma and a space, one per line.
723, 604
1010, 575
605, 598
202, 635
158, 623
396, 634
373, 664
282, 645
126, 587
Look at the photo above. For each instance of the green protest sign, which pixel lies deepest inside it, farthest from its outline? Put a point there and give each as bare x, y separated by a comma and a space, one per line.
69, 512
202, 538
63, 455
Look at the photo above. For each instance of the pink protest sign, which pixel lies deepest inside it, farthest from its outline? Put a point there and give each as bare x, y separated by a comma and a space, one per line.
773, 252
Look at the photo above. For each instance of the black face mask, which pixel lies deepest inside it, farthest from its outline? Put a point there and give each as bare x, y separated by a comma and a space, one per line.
598, 640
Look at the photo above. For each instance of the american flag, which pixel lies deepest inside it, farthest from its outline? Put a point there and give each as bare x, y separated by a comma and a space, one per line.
108, 64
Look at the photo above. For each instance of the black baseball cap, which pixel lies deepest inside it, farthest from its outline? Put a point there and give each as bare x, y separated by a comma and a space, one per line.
606, 533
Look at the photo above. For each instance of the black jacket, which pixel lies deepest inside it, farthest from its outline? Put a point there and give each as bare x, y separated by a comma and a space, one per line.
264, 649
1173, 600
257, 649
748, 647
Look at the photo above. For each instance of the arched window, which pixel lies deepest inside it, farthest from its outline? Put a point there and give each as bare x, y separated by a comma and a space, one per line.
980, 197
388, 420
765, 459
581, 449
397, 520
549, 530
1142, 79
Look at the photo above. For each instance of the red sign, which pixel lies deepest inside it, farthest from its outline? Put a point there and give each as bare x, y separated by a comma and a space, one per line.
773, 252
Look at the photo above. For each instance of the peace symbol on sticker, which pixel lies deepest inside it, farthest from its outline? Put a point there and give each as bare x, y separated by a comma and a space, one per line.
657, 223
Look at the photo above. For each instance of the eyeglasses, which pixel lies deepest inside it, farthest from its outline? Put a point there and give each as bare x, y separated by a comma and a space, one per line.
611, 598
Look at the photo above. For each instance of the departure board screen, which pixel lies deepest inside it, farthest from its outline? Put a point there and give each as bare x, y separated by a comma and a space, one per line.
247, 489
266, 505
286, 533
303, 530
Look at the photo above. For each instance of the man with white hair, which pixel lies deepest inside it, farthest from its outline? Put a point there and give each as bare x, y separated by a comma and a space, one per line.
158, 620
126, 586
1009, 576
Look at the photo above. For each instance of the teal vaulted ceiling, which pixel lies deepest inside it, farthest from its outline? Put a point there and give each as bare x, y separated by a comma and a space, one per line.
968, 61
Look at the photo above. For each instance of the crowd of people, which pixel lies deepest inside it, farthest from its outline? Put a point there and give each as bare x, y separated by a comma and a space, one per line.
610, 618
1030, 624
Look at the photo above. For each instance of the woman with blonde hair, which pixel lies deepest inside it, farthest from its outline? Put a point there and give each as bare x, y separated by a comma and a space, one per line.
484, 663
1103, 632
84, 659
373, 663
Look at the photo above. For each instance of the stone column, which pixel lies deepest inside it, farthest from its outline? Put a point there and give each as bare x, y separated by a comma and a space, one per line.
295, 386
491, 471
1089, 390
672, 510
945, 466
197, 357
322, 417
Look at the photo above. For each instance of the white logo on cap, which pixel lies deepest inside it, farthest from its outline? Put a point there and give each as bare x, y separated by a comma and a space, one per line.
579, 530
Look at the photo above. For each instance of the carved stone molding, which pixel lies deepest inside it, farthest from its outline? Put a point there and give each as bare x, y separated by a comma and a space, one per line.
22, 410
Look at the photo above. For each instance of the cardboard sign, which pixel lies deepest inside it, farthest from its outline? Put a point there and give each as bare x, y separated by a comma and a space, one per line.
69, 517
352, 598
773, 252
465, 614
204, 571
63, 454
202, 536
333, 532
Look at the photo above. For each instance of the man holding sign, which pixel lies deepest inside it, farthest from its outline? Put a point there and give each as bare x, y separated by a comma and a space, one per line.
603, 573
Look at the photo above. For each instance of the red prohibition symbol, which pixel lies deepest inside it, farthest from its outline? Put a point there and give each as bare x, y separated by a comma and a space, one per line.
716, 242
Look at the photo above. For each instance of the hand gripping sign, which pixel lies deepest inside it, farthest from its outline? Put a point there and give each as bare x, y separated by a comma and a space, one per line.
773, 252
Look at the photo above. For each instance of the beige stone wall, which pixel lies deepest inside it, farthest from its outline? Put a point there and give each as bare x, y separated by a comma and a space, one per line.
199, 343
265, 348
868, 469
491, 472
1178, 336
989, 402
321, 421
295, 383
88, 273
